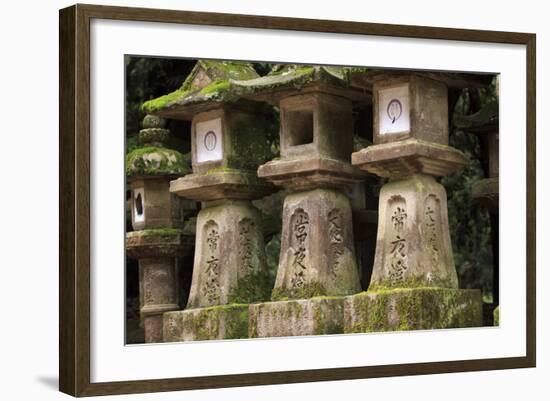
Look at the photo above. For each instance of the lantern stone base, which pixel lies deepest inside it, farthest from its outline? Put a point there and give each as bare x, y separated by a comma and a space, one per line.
412, 309
301, 317
212, 323
317, 255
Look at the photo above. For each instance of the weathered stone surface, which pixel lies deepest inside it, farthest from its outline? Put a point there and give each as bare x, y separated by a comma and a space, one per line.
413, 246
304, 317
152, 326
158, 293
411, 156
158, 242
230, 264
317, 252
412, 309
310, 173
486, 192
221, 184
213, 323
231, 137
159, 208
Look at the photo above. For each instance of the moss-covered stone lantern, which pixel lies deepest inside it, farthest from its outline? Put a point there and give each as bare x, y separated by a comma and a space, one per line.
414, 283
158, 219
229, 139
317, 256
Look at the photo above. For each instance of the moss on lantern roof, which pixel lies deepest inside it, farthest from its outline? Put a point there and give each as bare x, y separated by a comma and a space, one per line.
209, 81
153, 160
293, 77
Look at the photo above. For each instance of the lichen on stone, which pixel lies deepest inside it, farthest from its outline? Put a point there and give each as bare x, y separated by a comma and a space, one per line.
294, 77
306, 291
160, 232
154, 160
254, 287
413, 309
218, 89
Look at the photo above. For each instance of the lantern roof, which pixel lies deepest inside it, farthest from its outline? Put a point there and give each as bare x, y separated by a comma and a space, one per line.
206, 87
289, 79
152, 158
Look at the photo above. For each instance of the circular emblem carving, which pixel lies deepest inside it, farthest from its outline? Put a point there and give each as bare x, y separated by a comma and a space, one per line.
210, 140
394, 110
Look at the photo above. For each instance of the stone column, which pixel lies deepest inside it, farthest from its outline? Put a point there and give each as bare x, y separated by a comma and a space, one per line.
414, 283
229, 139
157, 218
317, 263
230, 269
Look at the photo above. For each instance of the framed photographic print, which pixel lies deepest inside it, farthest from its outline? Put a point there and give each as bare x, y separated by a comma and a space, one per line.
279, 200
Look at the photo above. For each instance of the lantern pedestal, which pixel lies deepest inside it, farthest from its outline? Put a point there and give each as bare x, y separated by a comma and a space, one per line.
412, 309
212, 323
230, 268
156, 251
300, 317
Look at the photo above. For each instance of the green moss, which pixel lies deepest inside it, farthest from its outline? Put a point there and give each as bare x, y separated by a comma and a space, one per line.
153, 136
220, 72
250, 144
415, 309
310, 290
154, 105
205, 323
254, 287
327, 315
228, 69
416, 282
222, 169
150, 121
161, 232
216, 87
153, 160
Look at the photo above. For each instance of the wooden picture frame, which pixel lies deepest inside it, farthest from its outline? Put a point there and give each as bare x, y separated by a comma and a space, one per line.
74, 203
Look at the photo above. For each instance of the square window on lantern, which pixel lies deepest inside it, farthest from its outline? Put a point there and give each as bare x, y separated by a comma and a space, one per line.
209, 137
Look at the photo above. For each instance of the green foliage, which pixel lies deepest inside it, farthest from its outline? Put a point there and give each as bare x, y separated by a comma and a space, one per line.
469, 221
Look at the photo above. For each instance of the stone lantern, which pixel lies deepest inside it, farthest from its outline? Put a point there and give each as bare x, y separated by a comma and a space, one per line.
229, 139
414, 283
158, 218
317, 256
